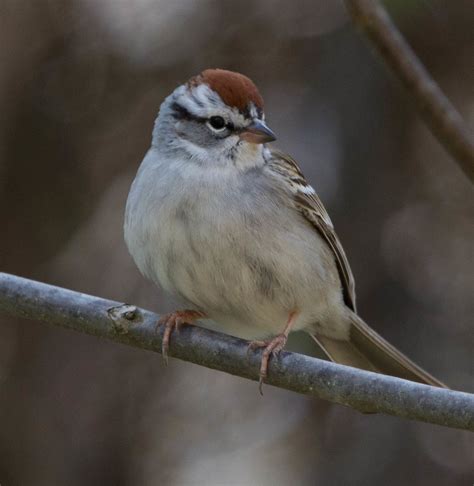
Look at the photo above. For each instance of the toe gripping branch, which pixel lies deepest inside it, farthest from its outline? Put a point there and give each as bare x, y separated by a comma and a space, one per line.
172, 321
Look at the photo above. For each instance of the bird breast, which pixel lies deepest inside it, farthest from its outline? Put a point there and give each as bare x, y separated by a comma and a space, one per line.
228, 243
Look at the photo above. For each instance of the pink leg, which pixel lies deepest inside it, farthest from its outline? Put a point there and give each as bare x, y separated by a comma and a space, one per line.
272, 346
174, 320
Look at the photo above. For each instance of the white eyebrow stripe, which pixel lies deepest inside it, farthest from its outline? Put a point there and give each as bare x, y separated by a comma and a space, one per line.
204, 95
253, 110
202, 102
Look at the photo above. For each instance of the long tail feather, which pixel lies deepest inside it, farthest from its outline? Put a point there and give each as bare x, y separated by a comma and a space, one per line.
369, 351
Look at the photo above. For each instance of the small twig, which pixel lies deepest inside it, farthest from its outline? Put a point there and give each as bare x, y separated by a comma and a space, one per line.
439, 114
362, 390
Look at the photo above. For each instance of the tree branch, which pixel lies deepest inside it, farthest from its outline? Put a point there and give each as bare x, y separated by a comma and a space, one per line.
439, 114
362, 390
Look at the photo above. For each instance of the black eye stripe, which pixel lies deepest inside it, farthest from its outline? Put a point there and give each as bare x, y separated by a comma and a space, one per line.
181, 113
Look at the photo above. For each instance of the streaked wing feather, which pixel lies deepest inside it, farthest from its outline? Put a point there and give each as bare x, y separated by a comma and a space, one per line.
308, 202
365, 349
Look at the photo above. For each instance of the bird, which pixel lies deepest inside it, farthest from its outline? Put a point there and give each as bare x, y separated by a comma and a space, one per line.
232, 229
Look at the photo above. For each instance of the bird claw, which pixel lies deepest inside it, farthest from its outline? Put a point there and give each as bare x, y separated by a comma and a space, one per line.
271, 347
174, 321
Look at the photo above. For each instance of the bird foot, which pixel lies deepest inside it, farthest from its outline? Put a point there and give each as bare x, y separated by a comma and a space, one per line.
271, 347
172, 321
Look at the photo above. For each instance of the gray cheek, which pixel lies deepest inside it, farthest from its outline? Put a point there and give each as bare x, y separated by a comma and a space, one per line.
197, 133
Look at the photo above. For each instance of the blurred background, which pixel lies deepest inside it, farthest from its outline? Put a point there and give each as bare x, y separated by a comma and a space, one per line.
81, 82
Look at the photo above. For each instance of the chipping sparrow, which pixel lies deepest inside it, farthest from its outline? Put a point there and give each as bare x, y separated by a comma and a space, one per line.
233, 229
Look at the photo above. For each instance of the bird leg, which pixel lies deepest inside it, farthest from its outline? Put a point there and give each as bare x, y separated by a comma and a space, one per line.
272, 347
174, 320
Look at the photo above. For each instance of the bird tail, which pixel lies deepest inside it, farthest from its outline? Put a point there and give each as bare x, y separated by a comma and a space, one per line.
368, 350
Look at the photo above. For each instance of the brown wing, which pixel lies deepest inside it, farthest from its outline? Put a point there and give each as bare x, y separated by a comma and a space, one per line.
308, 202
365, 348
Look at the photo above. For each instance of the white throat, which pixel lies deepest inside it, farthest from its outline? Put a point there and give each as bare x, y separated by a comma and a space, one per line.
239, 154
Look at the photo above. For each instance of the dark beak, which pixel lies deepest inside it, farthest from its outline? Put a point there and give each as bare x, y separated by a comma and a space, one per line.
257, 132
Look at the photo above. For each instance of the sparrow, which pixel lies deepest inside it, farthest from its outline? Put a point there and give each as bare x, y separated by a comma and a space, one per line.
234, 231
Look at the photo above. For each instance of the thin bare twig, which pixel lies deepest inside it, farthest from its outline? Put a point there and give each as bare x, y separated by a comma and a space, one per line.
439, 114
362, 390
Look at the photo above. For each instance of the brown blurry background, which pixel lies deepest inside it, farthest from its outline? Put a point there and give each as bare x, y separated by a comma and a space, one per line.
81, 82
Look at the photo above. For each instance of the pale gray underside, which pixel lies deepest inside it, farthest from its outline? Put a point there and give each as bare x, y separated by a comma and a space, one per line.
230, 242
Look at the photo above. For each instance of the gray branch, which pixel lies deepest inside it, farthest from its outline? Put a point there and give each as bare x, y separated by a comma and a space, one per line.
439, 114
362, 390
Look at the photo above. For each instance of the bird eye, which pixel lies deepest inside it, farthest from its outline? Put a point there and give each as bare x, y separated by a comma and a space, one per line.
217, 123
